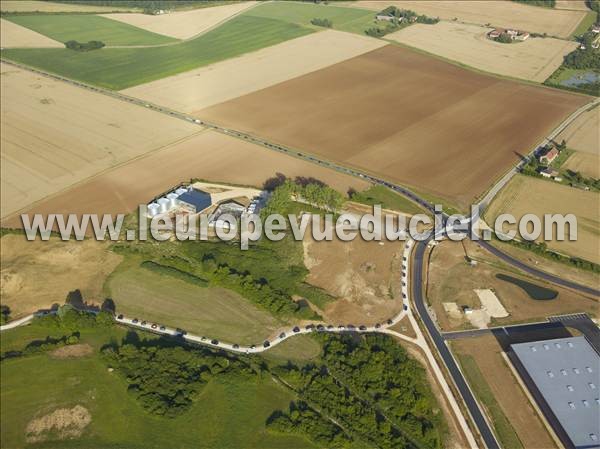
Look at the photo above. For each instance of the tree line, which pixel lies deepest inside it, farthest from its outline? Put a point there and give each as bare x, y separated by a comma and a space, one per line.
86, 46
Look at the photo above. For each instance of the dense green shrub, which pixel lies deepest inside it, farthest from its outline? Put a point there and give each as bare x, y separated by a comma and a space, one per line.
87, 46
326, 23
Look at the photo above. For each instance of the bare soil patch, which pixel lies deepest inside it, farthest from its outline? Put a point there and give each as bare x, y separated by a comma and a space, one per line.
13, 35
528, 195
37, 274
582, 134
235, 77
586, 163
63, 423
72, 351
451, 278
55, 135
183, 24
407, 117
512, 400
535, 59
362, 275
505, 14
209, 155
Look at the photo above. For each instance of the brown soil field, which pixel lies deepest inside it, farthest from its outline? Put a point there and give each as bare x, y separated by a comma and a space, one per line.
582, 134
183, 24
407, 117
235, 77
32, 6
505, 14
585, 163
13, 35
506, 389
364, 276
72, 351
55, 135
535, 59
209, 155
37, 274
452, 279
525, 194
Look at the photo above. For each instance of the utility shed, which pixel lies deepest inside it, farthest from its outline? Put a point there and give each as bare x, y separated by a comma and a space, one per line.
566, 373
195, 200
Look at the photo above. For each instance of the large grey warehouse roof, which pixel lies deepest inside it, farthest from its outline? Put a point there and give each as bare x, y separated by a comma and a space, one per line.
566, 371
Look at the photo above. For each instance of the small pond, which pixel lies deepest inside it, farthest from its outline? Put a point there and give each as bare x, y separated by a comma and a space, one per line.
581, 78
534, 291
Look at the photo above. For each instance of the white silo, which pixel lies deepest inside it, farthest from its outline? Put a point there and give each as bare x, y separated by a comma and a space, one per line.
153, 209
172, 197
164, 204
180, 191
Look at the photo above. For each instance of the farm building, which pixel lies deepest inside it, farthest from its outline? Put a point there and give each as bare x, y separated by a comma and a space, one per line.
191, 199
548, 173
195, 200
385, 17
549, 156
515, 35
563, 377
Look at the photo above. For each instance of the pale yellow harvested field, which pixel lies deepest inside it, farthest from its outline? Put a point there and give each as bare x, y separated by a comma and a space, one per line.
578, 5
209, 155
525, 194
498, 13
586, 163
207, 86
13, 35
32, 6
55, 135
535, 59
183, 24
584, 133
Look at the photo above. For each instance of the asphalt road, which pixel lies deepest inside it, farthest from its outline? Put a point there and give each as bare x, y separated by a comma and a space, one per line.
443, 350
537, 273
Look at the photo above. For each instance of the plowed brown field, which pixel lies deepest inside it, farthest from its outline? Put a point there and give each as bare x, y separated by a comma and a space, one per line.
405, 116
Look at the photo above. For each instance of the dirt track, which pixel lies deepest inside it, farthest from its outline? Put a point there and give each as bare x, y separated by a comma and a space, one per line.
209, 155
411, 118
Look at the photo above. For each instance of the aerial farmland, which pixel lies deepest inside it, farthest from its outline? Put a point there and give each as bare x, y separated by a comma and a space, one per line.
303, 117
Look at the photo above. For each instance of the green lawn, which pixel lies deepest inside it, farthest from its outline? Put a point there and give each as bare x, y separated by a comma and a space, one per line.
213, 312
585, 23
119, 68
388, 199
504, 430
88, 27
230, 412
346, 19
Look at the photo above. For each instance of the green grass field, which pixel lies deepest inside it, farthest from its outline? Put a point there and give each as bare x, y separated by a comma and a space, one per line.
119, 68
230, 412
88, 27
505, 431
345, 19
388, 199
213, 312
585, 23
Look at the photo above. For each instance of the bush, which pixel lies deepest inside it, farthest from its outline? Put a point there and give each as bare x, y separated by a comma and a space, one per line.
88, 46
322, 23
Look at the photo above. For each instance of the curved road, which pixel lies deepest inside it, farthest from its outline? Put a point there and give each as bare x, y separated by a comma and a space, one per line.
457, 377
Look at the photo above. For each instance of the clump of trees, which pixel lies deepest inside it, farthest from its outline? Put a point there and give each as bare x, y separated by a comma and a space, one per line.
542, 3
165, 379
85, 46
304, 420
326, 23
39, 346
504, 38
4, 314
302, 190
69, 318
